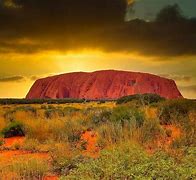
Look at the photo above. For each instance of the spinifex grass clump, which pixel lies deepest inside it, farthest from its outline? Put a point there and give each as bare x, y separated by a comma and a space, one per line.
126, 114
175, 111
24, 169
52, 111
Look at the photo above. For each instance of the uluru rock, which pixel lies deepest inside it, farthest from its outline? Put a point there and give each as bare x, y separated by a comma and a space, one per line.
108, 84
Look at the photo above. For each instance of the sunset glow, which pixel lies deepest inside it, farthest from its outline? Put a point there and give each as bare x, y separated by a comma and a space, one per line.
123, 37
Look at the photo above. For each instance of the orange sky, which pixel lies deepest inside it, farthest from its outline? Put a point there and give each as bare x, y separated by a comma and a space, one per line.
20, 71
50, 37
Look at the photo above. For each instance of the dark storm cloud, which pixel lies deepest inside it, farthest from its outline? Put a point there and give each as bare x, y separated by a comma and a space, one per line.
12, 78
75, 24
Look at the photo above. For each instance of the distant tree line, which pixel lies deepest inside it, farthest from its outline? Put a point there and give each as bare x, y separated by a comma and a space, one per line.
49, 101
40, 101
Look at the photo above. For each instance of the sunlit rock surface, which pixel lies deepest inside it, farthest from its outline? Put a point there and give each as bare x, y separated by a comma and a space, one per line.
107, 84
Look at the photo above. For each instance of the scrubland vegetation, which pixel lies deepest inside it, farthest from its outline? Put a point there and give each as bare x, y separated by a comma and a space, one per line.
137, 137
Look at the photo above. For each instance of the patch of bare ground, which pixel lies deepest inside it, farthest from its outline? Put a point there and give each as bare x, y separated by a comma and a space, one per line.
8, 155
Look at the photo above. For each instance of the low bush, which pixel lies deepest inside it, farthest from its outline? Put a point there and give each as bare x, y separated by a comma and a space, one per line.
125, 114
52, 113
9, 115
73, 131
101, 116
62, 160
64, 164
150, 130
43, 129
1, 142
172, 111
31, 145
131, 162
143, 99
13, 129
26, 109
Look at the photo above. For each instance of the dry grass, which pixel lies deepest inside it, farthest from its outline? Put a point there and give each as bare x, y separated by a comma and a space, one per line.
60, 134
2, 123
23, 168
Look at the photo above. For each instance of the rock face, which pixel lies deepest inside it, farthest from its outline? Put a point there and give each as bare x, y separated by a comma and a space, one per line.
108, 84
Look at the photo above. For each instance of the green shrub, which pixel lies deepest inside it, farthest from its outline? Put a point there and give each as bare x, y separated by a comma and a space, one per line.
41, 101
150, 130
125, 114
64, 164
171, 111
111, 133
14, 128
73, 130
101, 116
31, 145
62, 161
9, 115
131, 162
1, 142
110, 165
143, 99
26, 109
188, 164
50, 113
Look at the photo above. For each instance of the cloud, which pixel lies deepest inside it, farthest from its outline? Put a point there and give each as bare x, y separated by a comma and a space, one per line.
18, 78
65, 25
191, 88
33, 78
12, 79
36, 77
177, 77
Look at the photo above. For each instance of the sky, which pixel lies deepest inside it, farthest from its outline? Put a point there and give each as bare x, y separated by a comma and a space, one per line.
148, 9
44, 38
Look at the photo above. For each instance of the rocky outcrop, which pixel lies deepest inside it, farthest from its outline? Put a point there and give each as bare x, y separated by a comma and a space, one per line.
108, 84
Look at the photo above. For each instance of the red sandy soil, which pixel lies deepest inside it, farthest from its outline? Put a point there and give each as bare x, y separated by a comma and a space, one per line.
89, 140
7, 155
9, 142
51, 178
165, 142
176, 132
